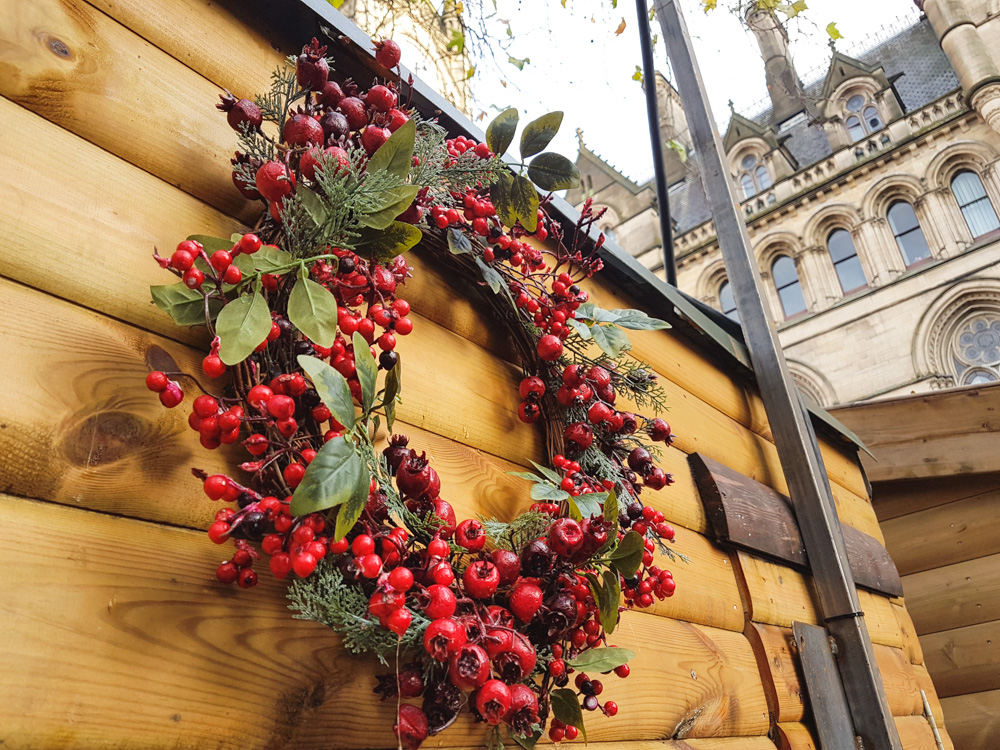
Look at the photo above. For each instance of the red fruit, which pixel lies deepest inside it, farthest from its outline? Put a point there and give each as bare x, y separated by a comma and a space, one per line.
218, 532
656, 479
304, 564
517, 663
573, 376
493, 701
598, 412
370, 566
508, 565
415, 478
233, 275
300, 130
274, 181
523, 709
205, 406
443, 638
623, 670
227, 572
334, 157
362, 545
399, 621
525, 600
172, 395
659, 431
373, 137
216, 486
331, 95
549, 347
384, 603
441, 602
387, 53
397, 119
639, 459
410, 727
532, 387
401, 579
481, 579
250, 243
259, 395
293, 474
312, 69
193, 278
438, 548
599, 376
157, 382
579, 435
444, 511
471, 535
247, 578
182, 260
528, 412
220, 260
469, 667
240, 113
410, 683
381, 98
354, 110
281, 407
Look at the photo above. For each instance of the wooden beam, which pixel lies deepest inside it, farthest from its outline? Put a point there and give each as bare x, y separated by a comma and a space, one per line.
893, 499
964, 660
966, 593
973, 720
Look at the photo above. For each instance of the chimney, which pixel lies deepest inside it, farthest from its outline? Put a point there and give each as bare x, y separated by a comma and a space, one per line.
783, 84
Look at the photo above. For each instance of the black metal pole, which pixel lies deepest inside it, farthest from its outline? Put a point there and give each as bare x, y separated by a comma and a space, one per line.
794, 438
655, 139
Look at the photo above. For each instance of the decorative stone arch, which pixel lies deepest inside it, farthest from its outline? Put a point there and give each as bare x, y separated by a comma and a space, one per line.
812, 383
828, 218
887, 190
817, 233
973, 155
760, 150
875, 205
709, 282
942, 322
773, 244
770, 247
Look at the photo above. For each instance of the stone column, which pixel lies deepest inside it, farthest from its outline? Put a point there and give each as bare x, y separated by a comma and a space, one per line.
885, 262
821, 277
948, 220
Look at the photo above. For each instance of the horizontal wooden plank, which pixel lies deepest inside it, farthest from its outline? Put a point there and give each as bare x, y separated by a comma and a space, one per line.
954, 596
899, 498
781, 670
752, 516
950, 455
964, 660
926, 683
797, 736
155, 641
959, 531
911, 643
973, 720
720, 743
75, 66
914, 734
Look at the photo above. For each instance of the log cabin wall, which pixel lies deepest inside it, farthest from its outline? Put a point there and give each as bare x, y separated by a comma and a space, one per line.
936, 490
115, 632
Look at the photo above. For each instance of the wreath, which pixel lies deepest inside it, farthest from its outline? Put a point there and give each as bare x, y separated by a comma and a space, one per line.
304, 314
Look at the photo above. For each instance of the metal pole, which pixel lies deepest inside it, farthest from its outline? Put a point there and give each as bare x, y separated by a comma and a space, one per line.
655, 139
793, 436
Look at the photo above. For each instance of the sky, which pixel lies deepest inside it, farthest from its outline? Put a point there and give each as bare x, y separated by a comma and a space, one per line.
580, 66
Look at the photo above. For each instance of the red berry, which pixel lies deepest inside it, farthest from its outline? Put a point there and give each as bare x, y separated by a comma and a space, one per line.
250, 243
532, 387
298, 131
549, 348
528, 412
370, 566
274, 181
354, 110
443, 637
157, 382
508, 565
247, 578
259, 395
481, 579
216, 486
193, 278
381, 98
221, 260
525, 600
438, 548
493, 701
469, 667
281, 407
233, 275
181, 260
399, 621
213, 366
218, 532
281, 564
205, 406
401, 579
471, 535
410, 727
293, 474
387, 53
303, 564
441, 602
227, 572
623, 670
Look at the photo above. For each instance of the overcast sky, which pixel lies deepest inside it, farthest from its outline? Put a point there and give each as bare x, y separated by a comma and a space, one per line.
581, 67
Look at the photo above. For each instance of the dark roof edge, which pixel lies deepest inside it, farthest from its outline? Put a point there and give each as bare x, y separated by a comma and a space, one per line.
306, 18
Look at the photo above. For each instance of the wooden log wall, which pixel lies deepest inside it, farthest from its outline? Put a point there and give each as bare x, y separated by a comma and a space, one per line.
936, 490
116, 633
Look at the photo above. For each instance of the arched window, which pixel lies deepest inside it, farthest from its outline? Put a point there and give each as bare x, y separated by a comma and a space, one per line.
975, 205
975, 350
786, 280
754, 178
909, 236
727, 302
864, 118
845, 260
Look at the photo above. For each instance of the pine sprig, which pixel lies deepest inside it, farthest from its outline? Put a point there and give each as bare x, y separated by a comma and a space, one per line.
275, 104
514, 535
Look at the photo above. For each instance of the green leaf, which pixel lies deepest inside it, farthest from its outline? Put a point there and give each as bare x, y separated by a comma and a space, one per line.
613, 341
518, 62
457, 42
586, 505
680, 148
601, 659
367, 370
241, 326
501, 131
537, 134
395, 156
637, 76
458, 242
608, 606
833, 31
545, 492
386, 244
491, 275
351, 511
526, 475
402, 197
266, 260
528, 743
637, 320
582, 329
552, 171
524, 201
566, 708
332, 388
393, 385
211, 244
627, 556
331, 479
312, 203
185, 306
312, 309
548, 473
500, 197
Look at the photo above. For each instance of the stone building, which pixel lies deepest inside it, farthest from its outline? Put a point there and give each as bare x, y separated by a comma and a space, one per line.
871, 197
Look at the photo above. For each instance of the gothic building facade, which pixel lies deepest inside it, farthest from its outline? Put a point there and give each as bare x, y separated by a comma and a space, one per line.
871, 197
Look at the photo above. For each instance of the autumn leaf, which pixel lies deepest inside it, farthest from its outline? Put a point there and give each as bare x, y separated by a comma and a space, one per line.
832, 30
708, 5
564, 3
470, 72
637, 76
621, 28
518, 63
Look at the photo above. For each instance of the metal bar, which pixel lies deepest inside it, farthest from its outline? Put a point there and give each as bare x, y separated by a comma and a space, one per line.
929, 715
798, 451
826, 692
656, 141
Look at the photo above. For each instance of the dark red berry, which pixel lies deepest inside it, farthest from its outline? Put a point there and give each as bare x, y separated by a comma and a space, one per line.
312, 69
549, 347
410, 727
469, 667
355, 111
493, 701
525, 600
300, 130
381, 98
565, 537
373, 137
274, 181
579, 435
240, 113
481, 579
387, 53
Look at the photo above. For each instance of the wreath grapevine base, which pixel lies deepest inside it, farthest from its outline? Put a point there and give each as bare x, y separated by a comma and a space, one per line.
512, 619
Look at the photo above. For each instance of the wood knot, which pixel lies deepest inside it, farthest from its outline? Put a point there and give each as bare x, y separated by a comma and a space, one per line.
104, 438
57, 47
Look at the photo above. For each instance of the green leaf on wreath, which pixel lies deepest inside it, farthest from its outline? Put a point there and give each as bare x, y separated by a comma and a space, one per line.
458, 242
524, 202
385, 244
395, 156
548, 473
312, 309
582, 329
500, 132
366, 369
184, 305
552, 171
627, 556
491, 276
537, 134
393, 385
528, 743
601, 659
266, 260
526, 475
241, 327
331, 479
566, 708
637, 320
351, 511
500, 197
608, 607
613, 341
332, 388
400, 199
313, 204
211, 244
586, 505
545, 492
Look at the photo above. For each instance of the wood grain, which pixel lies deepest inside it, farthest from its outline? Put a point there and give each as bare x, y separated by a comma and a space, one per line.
781, 670
911, 642
902, 497
158, 647
964, 660
914, 734
78, 68
954, 596
973, 720
926, 683
958, 531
